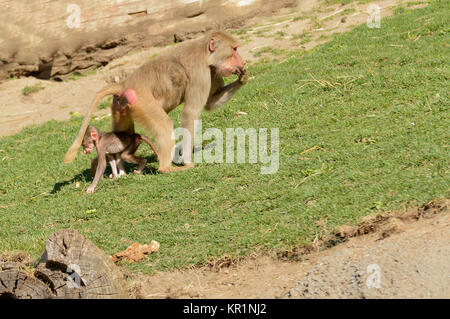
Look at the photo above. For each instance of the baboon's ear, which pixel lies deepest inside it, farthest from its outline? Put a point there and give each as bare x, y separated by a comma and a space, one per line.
94, 135
212, 45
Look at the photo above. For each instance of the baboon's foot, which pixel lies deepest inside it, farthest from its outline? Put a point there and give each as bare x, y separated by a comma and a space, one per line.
141, 167
122, 173
172, 168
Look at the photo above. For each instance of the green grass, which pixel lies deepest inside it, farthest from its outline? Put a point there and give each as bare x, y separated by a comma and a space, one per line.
280, 34
106, 103
262, 33
27, 90
374, 100
399, 10
269, 50
78, 75
239, 31
347, 11
316, 23
304, 37
341, 2
324, 37
415, 3
344, 2
302, 17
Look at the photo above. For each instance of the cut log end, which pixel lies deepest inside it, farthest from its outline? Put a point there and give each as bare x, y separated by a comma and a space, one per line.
15, 284
71, 267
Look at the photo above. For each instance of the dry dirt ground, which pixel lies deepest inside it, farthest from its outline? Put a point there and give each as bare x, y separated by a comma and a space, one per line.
408, 257
404, 255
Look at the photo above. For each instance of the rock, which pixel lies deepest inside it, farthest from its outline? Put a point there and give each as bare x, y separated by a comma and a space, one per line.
44, 41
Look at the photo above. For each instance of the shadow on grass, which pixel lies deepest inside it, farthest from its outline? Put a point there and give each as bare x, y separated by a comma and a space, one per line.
86, 176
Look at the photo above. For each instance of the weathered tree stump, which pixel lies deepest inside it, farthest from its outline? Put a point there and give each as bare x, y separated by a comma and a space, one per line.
75, 268
70, 267
17, 284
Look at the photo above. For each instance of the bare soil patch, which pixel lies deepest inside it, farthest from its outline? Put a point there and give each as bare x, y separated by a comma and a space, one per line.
410, 248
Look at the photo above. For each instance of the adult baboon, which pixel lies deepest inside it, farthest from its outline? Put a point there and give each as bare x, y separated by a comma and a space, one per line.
191, 72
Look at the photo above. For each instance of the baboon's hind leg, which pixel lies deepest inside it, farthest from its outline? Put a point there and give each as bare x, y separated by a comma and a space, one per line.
148, 113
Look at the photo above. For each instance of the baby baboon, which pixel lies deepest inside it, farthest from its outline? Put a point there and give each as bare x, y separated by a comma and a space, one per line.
114, 147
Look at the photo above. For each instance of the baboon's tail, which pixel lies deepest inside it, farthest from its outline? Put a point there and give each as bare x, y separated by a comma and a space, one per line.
107, 90
147, 140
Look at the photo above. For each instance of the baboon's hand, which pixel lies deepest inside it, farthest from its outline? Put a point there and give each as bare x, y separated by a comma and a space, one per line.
90, 190
243, 77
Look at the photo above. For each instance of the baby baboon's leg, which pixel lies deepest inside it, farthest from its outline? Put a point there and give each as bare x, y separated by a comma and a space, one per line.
112, 162
128, 154
120, 166
94, 164
141, 165
130, 158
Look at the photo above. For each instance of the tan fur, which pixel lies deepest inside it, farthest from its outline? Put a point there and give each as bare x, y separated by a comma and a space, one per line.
108, 90
191, 73
121, 117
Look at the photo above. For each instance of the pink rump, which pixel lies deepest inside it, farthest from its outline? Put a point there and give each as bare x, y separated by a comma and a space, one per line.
130, 95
